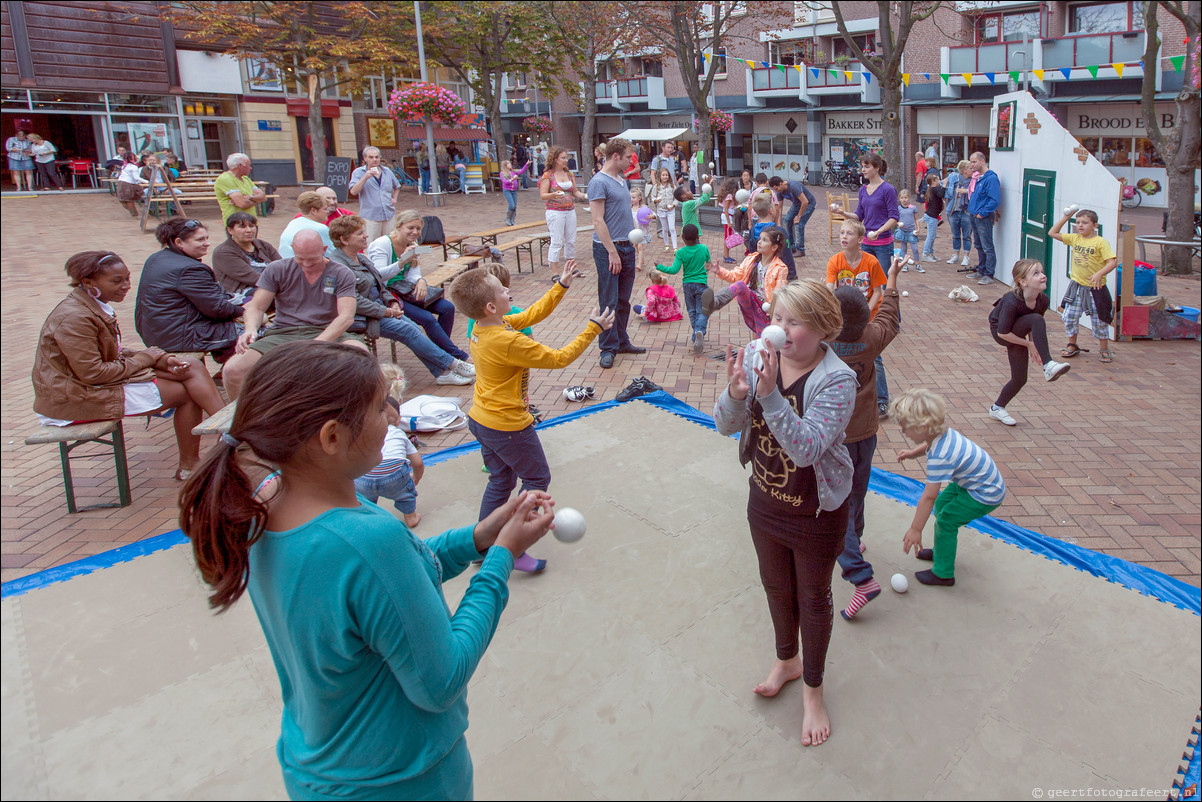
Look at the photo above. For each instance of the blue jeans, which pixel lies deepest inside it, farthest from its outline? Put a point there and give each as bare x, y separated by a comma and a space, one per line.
509, 456
398, 486
409, 334
425, 174
987, 261
613, 292
692, 304
797, 229
961, 231
884, 255
511, 197
932, 229
438, 320
856, 569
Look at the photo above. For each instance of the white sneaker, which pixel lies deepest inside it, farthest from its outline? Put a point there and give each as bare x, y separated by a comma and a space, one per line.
1054, 370
451, 377
1000, 414
964, 262
920, 268
464, 368
905, 268
955, 258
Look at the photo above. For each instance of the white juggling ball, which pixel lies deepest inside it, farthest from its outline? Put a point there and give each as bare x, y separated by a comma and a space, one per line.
774, 334
1068, 210
706, 189
905, 294
636, 236
899, 583
569, 525
742, 195
767, 307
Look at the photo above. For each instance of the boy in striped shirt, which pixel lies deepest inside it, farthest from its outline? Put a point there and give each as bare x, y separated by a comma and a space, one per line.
975, 486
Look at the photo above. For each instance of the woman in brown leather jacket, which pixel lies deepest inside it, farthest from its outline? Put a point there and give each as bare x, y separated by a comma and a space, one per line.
81, 372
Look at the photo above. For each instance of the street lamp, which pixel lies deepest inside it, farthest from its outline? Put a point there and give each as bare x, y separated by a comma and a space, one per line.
431, 164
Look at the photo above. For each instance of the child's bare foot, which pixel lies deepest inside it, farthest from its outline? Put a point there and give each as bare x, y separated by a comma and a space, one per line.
412, 519
782, 671
815, 723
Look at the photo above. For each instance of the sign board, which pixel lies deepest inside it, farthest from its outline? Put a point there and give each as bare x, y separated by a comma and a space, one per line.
338, 175
270, 125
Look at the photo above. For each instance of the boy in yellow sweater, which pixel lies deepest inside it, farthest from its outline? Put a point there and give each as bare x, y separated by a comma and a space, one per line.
500, 416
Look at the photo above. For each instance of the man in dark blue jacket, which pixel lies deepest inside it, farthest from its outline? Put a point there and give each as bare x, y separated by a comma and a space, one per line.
982, 206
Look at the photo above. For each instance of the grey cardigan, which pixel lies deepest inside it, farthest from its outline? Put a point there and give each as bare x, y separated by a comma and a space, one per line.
814, 439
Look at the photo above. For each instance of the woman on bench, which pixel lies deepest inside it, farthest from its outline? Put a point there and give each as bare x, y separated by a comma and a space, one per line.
397, 264
82, 373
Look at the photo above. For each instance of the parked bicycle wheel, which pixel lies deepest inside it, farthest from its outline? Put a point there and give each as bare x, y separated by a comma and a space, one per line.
1133, 200
828, 178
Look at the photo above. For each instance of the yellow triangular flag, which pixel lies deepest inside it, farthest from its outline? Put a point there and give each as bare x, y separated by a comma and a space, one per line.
1038, 74
848, 74
798, 67
967, 76
1118, 67
906, 78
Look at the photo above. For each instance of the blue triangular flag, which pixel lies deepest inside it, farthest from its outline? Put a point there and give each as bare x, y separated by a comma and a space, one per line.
867, 76
926, 75
815, 71
1066, 72
990, 75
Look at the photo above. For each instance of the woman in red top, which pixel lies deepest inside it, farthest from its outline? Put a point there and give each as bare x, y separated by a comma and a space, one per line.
920, 172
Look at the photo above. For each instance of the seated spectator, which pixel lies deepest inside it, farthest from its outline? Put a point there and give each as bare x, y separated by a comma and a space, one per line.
314, 300
334, 210
81, 372
234, 188
180, 305
130, 184
312, 217
239, 260
375, 301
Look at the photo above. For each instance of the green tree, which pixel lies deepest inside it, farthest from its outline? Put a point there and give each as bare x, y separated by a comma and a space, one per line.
319, 46
1178, 147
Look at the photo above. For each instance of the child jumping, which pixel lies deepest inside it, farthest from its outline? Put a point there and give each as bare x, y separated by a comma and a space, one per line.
694, 258
400, 467
662, 304
1092, 258
755, 281
975, 486
509, 188
906, 235
500, 418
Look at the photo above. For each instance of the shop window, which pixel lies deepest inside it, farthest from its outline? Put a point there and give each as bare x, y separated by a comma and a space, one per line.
1090, 143
1146, 155
210, 107
1106, 18
141, 104
14, 98
67, 101
953, 151
1008, 27
1116, 152
978, 144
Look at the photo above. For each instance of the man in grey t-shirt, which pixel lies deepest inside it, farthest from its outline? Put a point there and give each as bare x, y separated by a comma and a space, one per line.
613, 253
314, 300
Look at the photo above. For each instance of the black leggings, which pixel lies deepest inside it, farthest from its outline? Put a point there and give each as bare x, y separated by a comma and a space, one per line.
796, 571
1020, 356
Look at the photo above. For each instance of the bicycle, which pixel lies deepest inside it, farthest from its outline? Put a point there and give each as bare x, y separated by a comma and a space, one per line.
1132, 197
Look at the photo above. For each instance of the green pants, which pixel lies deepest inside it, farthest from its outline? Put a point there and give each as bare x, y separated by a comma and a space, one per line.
953, 509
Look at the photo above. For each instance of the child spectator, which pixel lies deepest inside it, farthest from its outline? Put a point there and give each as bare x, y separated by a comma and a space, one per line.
975, 486
862, 340
729, 206
509, 188
694, 258
931, 215
1016, 322
857, 268
500, 417
662, 304
663, 200
642, 217
400, 467
906, 235
755, 281
1091, 259
689, 204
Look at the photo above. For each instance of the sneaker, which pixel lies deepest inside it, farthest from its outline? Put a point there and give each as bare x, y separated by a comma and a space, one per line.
920, 268
985, 281
906, 268
707, 302
730, 261
964, 262
464, 368
882, 408
577, 393
698, 341
955, 258
637, 309
451, 377
1054, 370
1000, 414
535, 413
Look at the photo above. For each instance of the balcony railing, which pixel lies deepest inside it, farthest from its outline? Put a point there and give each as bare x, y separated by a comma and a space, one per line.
632, 88
999, 57
1087, 50
826, 79
765, 79
602, 90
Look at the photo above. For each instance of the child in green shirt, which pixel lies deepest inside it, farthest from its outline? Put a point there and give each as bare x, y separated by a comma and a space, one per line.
688, 205
694, 258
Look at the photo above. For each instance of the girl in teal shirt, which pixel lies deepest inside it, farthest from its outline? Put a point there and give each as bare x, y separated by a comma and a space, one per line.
373, 665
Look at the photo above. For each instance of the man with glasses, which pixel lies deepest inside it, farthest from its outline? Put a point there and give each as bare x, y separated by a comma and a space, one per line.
377, 190
234, 188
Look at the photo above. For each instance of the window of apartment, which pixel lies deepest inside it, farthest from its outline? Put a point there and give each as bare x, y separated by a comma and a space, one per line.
1009, 27
515, 80
866, 41
793, 51
721, 55
651, 66
1106, 17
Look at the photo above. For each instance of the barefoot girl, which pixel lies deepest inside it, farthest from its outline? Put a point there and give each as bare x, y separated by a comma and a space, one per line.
792, 408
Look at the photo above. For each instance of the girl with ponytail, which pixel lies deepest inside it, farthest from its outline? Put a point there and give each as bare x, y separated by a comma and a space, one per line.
373, 666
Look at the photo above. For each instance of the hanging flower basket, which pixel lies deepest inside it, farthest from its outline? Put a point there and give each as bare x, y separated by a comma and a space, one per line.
418, 101
721, 121
537, 125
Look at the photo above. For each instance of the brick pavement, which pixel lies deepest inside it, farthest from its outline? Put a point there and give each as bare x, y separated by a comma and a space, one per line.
1107, 458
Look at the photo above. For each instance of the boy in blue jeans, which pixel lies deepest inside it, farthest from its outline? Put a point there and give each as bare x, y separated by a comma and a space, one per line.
696, 261
974, 484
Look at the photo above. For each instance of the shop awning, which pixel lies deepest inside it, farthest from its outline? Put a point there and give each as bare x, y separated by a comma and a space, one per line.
417, 133
656, 134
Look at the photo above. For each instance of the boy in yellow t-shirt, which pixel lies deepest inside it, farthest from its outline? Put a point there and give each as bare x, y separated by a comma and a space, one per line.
1090, 260
500, 416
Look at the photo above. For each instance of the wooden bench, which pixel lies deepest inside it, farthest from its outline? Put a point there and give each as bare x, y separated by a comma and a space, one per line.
194, 197
544, 239
519, 246
219, 423
489, 237
448, 271
71, 437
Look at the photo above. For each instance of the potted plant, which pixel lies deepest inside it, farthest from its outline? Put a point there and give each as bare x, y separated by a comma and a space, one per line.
421, 100
538, 126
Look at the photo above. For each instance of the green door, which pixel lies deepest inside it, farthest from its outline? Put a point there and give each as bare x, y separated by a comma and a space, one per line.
1039, 189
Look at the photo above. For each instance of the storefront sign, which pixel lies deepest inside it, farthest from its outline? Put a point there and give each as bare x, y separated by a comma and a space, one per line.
853, 123
270, 125
1117, 118
673, 122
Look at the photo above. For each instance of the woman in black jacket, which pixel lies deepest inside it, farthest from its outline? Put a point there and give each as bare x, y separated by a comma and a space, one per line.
180, 305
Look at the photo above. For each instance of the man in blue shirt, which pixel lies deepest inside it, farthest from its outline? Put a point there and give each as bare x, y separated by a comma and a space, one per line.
803, 205
985, 200
377, 189
613, 253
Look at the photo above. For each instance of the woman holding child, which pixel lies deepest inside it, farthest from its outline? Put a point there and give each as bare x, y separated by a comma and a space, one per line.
81, 371
792, 407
